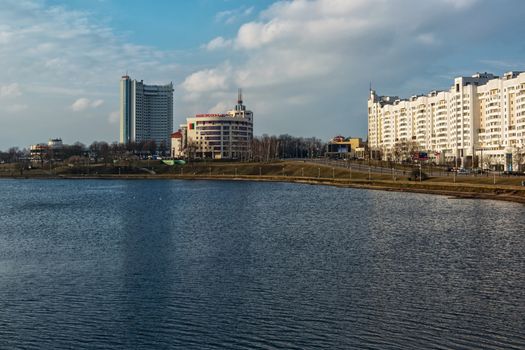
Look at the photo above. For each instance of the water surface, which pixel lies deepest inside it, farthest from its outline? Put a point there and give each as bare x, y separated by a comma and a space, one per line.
240, 265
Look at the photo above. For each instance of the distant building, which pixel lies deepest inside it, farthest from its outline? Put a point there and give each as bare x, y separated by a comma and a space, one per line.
53, 149
55, 144
38, 151
341, 147
146, 112
479, 121
177, 149
220, 136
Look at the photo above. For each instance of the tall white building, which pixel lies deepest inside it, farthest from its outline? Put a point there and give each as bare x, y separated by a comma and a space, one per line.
146, 112
482, 116
220, 136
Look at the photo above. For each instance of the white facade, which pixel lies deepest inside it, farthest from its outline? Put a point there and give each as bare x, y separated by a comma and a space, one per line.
55, 143
177, 149
479, 116
146, 112
220, 136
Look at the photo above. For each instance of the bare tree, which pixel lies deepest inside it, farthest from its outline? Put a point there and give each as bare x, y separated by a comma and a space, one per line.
518, 158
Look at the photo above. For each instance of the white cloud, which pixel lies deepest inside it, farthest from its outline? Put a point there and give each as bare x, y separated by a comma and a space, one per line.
427, 39
16, 108
97, 103
83, 103
5, 37
305, 58
56, 55
218, 43
460, 4
305, 65
114, 117
208, 80
220, 107
232, 16
10, 91
80, 104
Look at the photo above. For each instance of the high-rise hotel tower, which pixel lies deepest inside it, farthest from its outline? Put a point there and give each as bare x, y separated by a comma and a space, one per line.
146, 112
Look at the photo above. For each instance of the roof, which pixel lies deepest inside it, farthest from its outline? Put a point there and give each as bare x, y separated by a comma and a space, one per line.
208, 115
176, 135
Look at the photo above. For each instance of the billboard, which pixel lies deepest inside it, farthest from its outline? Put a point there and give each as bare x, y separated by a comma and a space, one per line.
420, 156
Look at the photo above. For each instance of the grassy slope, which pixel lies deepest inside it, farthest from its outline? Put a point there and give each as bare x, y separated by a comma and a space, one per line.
507, 188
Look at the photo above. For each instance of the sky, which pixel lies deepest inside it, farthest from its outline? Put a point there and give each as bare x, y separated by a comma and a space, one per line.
305, 66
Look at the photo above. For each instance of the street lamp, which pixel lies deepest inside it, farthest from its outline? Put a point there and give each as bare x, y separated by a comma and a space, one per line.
480, 162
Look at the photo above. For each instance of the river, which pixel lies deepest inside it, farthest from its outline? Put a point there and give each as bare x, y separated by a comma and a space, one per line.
160, 264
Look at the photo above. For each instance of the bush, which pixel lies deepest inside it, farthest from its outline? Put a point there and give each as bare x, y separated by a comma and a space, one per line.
414, 175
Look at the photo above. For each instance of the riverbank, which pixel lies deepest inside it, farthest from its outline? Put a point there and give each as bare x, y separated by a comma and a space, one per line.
473, 191
296, 172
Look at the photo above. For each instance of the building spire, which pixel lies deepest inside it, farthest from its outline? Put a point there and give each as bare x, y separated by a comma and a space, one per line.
239, 96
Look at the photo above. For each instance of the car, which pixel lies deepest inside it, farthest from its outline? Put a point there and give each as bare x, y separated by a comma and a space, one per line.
463, 171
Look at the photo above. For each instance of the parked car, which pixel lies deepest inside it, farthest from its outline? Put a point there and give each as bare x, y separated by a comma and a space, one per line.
463, 171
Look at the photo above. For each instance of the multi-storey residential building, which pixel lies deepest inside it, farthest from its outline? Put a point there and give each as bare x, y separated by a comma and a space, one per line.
482, 116
146, 112
220, 136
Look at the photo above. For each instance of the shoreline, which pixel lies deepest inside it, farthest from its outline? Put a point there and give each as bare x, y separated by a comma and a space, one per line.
459, 190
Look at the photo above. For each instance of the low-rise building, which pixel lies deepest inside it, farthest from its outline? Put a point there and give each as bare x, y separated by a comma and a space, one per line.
177, 146
53, 149
38, 151
341, 147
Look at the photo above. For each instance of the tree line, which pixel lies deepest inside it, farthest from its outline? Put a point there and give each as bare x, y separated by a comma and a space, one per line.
97, 150
263, 148
267, 148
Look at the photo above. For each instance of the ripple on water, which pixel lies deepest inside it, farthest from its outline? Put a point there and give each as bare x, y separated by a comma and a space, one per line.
229, 265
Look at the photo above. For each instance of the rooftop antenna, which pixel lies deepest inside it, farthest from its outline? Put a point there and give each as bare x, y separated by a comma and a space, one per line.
239, 97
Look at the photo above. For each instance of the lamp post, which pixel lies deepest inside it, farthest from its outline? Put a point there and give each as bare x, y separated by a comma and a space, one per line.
480, 165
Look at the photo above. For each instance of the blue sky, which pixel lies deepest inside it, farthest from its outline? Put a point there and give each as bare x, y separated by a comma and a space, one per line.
304, 65
170, 25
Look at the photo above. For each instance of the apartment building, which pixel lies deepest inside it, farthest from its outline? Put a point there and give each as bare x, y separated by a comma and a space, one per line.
480, 119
